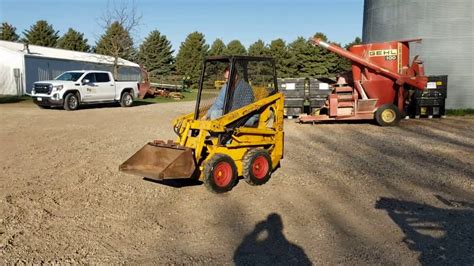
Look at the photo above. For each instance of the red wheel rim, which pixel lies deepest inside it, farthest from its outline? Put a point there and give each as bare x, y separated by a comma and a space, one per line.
260, 167
222, 174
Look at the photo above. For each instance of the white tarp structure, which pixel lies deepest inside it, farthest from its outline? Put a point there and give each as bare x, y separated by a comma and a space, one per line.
22, 65
11, 64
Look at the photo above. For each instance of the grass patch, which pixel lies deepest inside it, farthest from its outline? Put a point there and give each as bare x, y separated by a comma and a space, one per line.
188, 96
460, 112
15, 99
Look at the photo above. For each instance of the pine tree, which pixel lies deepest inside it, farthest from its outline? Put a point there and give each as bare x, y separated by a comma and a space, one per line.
345, 64
299, 57
307, 60
331, 63
42, 34
217, 48
8, 32
235, 47
258, 48
156, 54
73, 40
116, 42
356, 41
279, 51
191, 55
134, 54
321, 36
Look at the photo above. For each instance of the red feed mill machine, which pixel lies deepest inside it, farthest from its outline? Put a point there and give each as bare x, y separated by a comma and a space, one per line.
382, 78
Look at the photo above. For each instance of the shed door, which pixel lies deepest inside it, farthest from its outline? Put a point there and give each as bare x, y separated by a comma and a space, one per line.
36, 69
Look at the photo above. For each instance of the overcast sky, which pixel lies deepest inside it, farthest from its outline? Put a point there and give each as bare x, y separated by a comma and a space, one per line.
245, 20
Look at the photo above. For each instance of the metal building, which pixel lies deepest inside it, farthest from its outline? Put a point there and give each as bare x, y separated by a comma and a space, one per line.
21, 65
447, 30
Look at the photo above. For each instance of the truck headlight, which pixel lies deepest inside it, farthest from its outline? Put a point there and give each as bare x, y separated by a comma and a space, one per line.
58, 87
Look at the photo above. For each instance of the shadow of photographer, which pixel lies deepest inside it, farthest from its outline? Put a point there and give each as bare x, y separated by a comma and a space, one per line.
266, 244
441, 235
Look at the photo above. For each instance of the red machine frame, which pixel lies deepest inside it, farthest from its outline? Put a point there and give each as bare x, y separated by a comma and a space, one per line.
382, 76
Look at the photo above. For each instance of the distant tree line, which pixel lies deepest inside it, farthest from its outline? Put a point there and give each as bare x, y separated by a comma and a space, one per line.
295, 59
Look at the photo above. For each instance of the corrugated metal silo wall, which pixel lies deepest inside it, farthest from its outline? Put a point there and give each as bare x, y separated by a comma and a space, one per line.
447, 30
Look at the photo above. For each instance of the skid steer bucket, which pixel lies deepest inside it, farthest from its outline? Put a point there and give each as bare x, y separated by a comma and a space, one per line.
160, 161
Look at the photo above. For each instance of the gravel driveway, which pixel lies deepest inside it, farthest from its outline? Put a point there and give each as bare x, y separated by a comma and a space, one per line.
346, 193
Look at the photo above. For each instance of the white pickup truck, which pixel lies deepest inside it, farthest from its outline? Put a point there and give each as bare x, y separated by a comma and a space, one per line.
73, 88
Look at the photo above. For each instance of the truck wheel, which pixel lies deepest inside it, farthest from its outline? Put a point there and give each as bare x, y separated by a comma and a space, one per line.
387, 115
126, 100
257, 165
220, 173
71, 102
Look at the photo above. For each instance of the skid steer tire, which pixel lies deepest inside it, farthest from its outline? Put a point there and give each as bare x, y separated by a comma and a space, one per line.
387, 115
220, 173
257, 165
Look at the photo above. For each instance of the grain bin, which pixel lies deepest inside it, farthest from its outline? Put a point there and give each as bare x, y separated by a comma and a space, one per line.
446, 28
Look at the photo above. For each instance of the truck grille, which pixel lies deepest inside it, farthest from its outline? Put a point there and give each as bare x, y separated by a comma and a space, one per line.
43, 88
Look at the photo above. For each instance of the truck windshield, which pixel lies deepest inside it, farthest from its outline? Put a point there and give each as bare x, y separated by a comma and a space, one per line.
70, 76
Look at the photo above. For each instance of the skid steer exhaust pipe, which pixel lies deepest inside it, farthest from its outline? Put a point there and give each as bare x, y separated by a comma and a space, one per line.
158, 161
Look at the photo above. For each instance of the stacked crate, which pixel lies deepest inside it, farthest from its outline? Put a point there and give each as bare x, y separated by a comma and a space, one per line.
294, 91
431, 101
318, 94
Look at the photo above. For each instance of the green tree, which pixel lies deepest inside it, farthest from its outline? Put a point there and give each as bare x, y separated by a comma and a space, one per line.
336, 64
345, 64
73, 40
279, 51
156, 54
321, 36
41, 33
217, 48
299, 57
307, 60
8, 32
191, 55
331, 62
258, 48
235, 47
356, 41
116, 42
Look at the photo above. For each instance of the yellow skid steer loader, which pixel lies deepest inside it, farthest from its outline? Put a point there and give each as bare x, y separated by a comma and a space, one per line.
234, 132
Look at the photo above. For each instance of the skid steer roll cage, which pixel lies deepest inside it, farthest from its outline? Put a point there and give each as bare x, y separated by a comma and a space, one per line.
194, 133
232, 60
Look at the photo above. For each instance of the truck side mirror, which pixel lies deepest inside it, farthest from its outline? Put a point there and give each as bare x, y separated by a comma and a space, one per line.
85, 81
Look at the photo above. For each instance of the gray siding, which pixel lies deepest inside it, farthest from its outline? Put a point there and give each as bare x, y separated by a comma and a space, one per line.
40, 68
447, 30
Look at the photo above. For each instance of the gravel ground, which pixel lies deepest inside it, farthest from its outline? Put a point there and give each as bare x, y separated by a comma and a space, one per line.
350, 193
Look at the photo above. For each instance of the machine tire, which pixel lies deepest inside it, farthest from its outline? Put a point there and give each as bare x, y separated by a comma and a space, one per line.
126, 100
257, 167
71, 102
387, 115
220, 173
